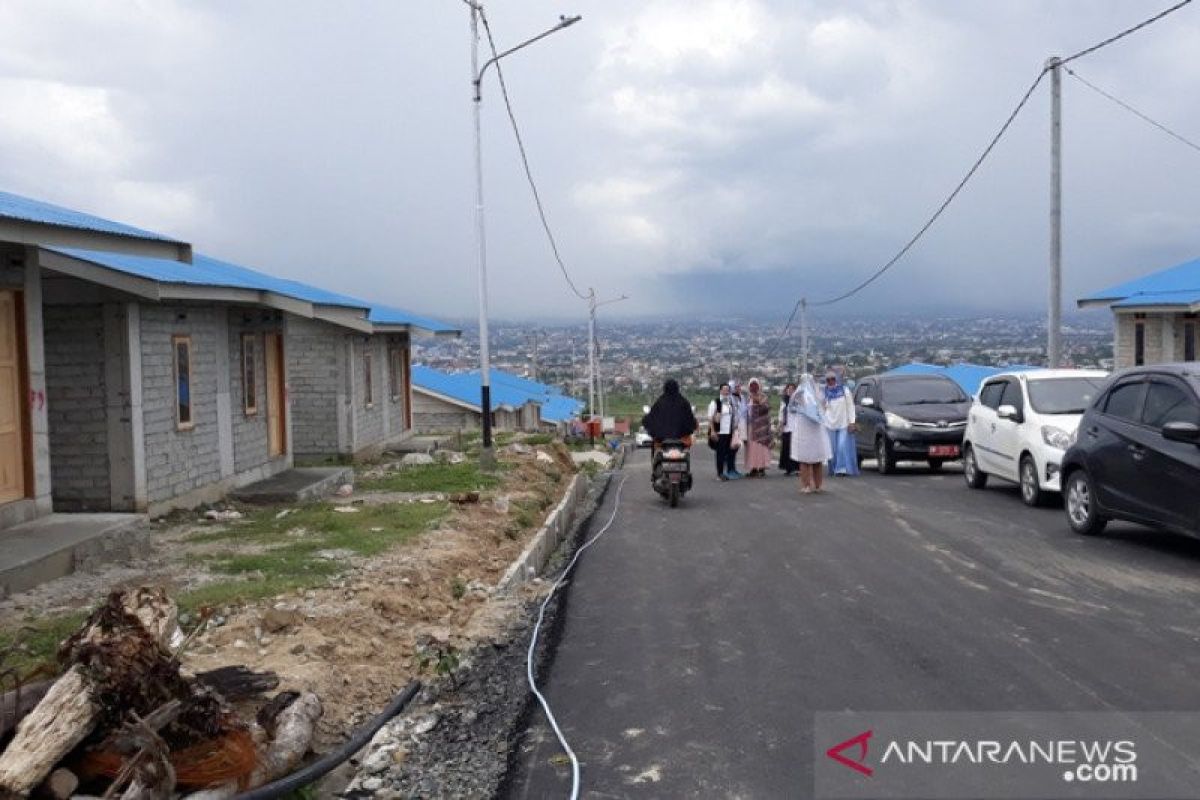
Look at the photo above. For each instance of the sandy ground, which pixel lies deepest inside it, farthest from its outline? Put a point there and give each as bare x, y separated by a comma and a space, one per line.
357, 642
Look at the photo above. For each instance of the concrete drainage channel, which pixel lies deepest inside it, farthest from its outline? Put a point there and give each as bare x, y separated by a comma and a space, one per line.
458, 737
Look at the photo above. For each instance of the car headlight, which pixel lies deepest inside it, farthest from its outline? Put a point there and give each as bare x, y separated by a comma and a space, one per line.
896, 421
1056, 437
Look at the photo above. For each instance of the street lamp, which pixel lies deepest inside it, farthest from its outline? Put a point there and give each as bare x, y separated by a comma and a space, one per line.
487, 458
593, 375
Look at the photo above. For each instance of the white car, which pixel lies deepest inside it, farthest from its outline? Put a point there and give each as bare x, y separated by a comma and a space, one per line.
1021, 423
643, 439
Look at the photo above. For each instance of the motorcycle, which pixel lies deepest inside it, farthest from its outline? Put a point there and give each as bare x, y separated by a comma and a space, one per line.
672, 475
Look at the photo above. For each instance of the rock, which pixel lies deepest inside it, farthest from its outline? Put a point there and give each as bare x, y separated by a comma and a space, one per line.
424, 725
345, 490
222, 516
298, 649
346, 509
372, 784
464, 498
545, 457
284, 513
518, 449
416, 460
61, 784
501, 504
275, 620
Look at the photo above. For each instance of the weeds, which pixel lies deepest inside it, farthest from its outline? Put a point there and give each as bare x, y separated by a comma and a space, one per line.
465, 477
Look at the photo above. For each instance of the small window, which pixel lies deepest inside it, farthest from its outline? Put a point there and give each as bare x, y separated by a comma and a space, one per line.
368, 379
1168, 402
1012, 395
1125, 401
182, 346
1139, 344
1189, 341
249, 374
990, 394
396, 370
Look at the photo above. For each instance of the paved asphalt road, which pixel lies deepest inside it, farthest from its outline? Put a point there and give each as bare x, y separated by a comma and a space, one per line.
698, 641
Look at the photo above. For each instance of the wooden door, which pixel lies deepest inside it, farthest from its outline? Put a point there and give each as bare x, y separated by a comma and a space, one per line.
276, 395
12, 420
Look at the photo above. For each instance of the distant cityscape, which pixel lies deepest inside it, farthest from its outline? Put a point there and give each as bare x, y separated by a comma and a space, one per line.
636, 357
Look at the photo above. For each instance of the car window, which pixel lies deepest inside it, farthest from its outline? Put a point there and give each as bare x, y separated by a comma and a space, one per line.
989, 395
1012, 395
915, 391
863, 391
1125, 401
1168, 402
1063, 395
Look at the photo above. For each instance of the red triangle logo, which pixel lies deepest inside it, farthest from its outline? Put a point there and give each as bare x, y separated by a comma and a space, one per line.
856, 764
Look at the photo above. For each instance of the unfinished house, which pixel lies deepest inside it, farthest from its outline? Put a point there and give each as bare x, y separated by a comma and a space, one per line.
445, 402
136, 376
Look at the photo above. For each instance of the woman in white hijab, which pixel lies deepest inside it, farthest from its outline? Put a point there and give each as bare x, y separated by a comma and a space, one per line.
810, 441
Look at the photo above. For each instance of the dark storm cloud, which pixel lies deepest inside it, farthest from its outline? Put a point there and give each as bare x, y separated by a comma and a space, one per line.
712, 154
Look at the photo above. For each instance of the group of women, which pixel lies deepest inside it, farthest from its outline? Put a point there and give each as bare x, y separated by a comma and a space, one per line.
816, 427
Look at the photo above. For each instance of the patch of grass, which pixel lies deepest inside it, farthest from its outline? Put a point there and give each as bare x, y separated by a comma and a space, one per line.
293, 545
458, 588
36, 641
464, 477
538, 438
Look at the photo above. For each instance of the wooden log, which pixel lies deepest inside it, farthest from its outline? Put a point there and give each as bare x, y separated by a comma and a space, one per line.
68, 712
295, 727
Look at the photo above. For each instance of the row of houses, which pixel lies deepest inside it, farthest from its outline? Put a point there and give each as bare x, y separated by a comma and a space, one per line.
445, 402
137, 375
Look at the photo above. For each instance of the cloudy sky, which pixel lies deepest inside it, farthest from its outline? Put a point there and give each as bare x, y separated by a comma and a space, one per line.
697, 155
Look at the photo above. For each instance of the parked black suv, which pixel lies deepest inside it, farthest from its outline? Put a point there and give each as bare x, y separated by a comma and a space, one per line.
910, 417
1137, 453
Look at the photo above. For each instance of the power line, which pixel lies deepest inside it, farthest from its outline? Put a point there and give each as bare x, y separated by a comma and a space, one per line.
945, 203
1131, 109
982, 157
537, 199
1124, 33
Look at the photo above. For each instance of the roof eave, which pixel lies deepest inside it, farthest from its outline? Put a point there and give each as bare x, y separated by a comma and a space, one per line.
44, 234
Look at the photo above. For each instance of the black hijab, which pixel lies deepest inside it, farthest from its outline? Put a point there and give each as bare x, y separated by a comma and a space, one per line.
671, 415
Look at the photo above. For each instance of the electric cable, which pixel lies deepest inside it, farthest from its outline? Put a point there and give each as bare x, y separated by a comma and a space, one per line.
983, 156
534, 640
537, 198
1131, 109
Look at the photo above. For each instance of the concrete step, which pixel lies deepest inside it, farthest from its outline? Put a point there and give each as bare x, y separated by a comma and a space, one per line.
57, 545
298, 485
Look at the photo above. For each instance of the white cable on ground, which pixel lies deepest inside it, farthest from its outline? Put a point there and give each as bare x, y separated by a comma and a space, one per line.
533, 643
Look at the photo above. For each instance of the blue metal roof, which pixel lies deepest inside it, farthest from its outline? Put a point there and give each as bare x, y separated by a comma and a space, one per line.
207, 271
385, 315
556, 407
1177, 279
14, 206
465, 387
1186, 299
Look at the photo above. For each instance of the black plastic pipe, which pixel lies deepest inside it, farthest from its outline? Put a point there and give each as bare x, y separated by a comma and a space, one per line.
327, 763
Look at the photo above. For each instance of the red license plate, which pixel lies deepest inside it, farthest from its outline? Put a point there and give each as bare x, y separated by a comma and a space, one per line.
944, 450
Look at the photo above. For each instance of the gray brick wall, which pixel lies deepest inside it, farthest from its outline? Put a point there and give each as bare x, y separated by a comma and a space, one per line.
431, 415
314, 353
251, 447
179, 461
368, 420
75, 407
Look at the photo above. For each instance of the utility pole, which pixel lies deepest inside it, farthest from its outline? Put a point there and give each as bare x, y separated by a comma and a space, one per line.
487, 458
591, 352
1054, 319
534, 367
804, 335
593, 374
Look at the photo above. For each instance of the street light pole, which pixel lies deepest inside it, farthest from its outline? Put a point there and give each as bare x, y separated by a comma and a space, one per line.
487, 458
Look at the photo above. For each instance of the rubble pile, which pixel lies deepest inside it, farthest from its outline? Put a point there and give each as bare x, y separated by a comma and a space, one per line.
124, 719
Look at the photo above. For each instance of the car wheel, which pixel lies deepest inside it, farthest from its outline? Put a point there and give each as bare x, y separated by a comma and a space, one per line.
1082, 515
1031, 492
976, 478
885, 461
